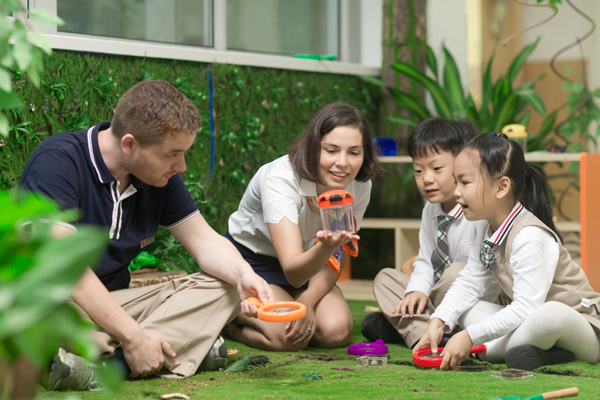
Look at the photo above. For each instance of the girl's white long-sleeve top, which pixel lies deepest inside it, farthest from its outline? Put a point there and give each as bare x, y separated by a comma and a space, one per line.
534, 259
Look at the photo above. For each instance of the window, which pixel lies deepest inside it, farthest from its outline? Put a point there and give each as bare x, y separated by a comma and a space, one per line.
284, 26
264, 33
167, 21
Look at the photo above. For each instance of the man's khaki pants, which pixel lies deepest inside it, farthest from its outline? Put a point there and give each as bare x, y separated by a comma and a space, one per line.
389, 287
187, 312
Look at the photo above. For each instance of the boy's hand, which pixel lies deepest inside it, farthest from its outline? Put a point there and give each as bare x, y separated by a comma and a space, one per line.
457, 349
432, 336
407, 305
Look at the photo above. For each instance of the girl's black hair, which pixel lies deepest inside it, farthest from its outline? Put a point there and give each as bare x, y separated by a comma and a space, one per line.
440, 134
500, 157
305, 151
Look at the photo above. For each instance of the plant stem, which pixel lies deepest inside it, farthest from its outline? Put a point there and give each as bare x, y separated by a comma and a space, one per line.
508, 39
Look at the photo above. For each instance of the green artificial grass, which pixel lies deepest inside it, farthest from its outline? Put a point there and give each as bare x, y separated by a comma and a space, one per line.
284, 378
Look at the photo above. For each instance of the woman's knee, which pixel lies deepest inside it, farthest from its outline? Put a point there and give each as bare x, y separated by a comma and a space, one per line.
283, 344
336, 332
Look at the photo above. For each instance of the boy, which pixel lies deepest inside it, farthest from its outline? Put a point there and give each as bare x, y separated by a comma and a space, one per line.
445, 238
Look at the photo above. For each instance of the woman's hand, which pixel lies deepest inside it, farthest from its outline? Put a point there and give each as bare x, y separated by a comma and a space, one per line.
408, 304
432, 336
302, 330
457, 349
334, 241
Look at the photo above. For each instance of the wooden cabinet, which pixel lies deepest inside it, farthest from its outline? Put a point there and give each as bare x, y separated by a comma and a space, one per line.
406, 231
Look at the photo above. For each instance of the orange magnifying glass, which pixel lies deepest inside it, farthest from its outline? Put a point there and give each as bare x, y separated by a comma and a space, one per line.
279, 311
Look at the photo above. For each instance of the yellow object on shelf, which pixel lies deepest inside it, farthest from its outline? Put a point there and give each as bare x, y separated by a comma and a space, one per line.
518, 133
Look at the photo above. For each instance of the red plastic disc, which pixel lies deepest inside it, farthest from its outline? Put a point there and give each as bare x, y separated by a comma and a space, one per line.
424, 358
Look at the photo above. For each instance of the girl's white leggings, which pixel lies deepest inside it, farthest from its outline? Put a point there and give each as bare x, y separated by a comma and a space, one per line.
552, 324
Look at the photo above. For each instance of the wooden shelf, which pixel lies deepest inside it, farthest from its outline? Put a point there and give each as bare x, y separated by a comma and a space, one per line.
415, 224
568, 226
529, 157
391, 223
395, 159
552, 157
406, 235
357, 289
406, 242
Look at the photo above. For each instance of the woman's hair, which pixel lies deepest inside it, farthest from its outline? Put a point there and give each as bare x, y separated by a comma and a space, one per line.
500, 157
305, 151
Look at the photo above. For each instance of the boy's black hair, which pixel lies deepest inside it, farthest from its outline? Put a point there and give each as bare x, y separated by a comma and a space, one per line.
500, 157
439, 134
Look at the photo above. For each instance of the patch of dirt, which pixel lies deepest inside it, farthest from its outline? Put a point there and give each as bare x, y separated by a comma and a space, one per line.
552, 371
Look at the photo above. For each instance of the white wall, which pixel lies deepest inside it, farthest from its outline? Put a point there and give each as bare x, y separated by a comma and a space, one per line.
560, 31
371, 27
447, 23
594, 53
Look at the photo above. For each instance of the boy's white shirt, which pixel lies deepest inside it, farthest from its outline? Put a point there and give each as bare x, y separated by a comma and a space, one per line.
461, 236
534, 259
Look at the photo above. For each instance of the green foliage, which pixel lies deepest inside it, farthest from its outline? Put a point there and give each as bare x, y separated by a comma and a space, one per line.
20, 51
146, 260
258, 112
583, 111
501, 103
239, 365
37, 273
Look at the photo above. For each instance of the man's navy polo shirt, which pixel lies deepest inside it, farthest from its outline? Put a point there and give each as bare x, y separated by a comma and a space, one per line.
69, 168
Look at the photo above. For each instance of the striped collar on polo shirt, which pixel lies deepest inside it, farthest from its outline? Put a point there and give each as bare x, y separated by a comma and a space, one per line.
502, 232
102, 172
105, 177
100, 167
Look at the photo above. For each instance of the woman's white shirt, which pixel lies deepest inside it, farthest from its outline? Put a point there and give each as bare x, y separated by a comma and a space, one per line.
276, 191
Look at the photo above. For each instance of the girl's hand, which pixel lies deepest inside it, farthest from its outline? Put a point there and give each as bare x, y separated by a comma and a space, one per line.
408, 304
432, 336
334, 241
298, 331
457, 349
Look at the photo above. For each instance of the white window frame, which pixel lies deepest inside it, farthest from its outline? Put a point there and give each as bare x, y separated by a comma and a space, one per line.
217, 54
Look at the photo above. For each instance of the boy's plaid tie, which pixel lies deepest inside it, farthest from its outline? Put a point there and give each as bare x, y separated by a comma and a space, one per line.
487, 255
440, 257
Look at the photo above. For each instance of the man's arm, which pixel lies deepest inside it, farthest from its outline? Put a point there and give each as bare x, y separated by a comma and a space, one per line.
143, 351
218, 257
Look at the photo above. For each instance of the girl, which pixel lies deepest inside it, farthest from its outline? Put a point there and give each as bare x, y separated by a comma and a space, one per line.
553, 316
278, 221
